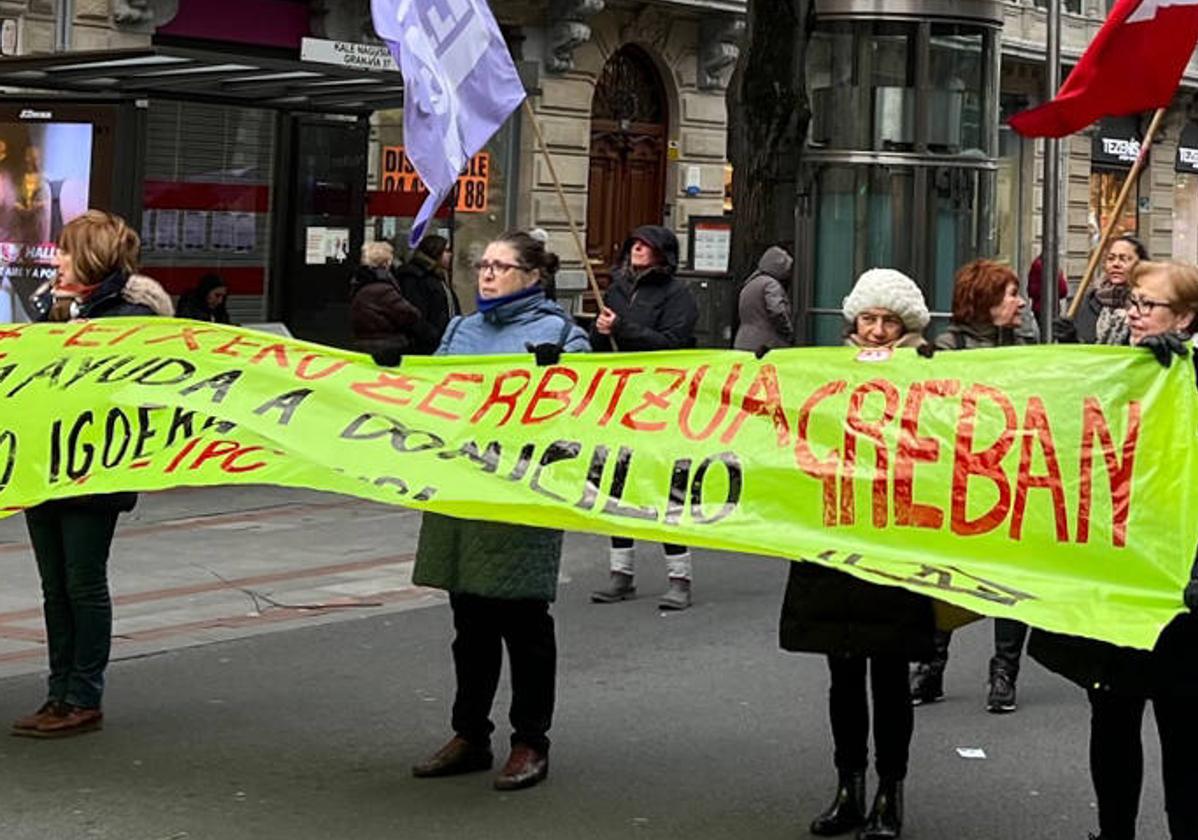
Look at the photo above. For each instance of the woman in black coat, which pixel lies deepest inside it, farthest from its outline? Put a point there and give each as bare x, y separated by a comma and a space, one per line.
96, 262
206, 302
1162, 311
861, 625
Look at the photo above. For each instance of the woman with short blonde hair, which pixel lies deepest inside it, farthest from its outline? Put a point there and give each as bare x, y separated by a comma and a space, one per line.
378, 254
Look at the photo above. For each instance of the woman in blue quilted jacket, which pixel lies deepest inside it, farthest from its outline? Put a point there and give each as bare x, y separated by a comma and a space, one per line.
500, 578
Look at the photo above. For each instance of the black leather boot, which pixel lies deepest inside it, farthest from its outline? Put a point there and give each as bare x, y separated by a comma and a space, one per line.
847, 810
885, 821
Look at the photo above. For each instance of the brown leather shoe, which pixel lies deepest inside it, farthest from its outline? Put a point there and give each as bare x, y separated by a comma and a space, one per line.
525, 767
457, 757
76, 721
50, 709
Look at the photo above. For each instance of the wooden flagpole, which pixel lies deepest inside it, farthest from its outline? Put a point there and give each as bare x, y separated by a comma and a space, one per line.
557, 185
1120, 203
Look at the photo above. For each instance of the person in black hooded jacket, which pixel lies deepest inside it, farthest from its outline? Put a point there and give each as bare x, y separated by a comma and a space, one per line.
385, 324
647, 307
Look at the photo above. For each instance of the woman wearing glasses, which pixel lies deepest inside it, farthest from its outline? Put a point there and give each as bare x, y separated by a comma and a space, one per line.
500, 578
1162, 313
1102, 316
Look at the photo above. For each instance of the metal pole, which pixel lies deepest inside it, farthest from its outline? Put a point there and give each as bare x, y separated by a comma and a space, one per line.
64, 13
1050, 250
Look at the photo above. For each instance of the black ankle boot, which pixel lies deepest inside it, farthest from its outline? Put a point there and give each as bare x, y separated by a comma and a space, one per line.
847, 810
885, 821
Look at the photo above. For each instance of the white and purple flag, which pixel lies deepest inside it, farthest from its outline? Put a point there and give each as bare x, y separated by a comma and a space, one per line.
460, 86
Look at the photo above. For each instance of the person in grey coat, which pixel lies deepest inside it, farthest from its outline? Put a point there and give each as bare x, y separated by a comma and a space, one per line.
764, 308
500, 578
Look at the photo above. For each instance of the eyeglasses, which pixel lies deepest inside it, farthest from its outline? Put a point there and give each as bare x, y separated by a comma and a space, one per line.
496, 268
1144, 306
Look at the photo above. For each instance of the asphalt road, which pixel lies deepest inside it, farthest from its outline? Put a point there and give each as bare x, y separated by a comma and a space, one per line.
690, 725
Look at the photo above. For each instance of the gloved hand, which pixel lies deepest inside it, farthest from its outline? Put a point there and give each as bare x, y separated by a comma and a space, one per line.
1064, 331
1165, 346
1191, 596
391, 357
546, 354
761, 351
927, 349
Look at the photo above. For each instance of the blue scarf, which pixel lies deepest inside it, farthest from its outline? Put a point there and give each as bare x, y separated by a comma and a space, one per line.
485, 305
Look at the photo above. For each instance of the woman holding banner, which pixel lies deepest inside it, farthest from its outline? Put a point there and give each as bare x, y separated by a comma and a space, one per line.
500, 578
860, 625
987, 312
96, 263
1162, 313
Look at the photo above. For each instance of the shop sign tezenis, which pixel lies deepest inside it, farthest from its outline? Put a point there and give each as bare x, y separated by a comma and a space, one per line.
1187, 150
469, 196
1116, 142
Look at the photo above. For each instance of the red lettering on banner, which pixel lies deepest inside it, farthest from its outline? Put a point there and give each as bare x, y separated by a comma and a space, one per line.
764, 399
129, 333
986, 463
544, 392
88, 328
825, 470
622, 376
1119, 472
183, 453
654, 399
188, 335
232, 344
12, 332
277, 351
386, 382
442, 389
590, 394
301, 370
1037, 430
913, 449
692, 396
498, 397
856, 427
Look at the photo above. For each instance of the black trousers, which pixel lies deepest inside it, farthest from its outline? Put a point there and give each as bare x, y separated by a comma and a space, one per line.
1009, 636
483, 626
1117, 762
625, 542
894, 719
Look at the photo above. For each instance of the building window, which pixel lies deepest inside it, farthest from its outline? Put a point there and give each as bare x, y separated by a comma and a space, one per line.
1105, 185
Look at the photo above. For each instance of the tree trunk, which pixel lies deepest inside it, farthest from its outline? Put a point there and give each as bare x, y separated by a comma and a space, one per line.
768, 115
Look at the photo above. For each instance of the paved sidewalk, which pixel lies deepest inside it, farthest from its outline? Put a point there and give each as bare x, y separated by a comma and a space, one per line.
195, 566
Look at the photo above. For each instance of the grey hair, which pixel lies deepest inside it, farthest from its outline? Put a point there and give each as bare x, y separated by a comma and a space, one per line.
377, 254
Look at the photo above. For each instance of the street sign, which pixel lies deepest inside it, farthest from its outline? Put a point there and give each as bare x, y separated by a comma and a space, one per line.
374, 57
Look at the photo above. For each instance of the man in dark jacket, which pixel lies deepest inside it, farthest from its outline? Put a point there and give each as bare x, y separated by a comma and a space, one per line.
647, 308
425, 283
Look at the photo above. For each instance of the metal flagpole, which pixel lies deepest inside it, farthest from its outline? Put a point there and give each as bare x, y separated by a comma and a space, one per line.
1050, 239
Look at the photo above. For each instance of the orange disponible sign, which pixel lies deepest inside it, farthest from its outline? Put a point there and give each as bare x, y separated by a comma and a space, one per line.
469, 195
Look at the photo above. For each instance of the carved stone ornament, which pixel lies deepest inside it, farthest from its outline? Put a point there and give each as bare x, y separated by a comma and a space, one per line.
343, 20
568, 31
719, 48
143, 15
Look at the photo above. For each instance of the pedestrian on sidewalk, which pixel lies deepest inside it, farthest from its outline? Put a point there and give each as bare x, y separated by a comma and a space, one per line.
1119, 682
647, 307
96, 265
385, 324
424, 280
206, 302
763, 306
1102, 315
987, 312
862, 626
500, 578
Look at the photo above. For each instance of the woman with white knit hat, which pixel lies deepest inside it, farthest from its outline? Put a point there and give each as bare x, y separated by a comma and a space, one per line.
863, 627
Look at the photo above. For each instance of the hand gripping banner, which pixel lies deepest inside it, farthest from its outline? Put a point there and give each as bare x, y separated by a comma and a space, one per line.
1050, 485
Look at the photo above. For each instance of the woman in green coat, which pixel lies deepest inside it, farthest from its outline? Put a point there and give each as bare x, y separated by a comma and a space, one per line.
500, 578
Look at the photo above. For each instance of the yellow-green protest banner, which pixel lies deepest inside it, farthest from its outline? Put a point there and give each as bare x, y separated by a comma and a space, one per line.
1049, 485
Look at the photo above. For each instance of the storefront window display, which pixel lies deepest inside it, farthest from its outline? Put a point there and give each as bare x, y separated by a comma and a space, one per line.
1114, 149
474, 216
1185, 196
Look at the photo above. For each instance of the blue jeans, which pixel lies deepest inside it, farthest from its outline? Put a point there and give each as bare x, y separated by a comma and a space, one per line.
71, 543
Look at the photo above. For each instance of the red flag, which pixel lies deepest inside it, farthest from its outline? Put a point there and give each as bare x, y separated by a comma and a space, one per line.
1134, 64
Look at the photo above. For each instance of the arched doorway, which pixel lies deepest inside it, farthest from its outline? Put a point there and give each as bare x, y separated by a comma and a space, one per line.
626, 187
